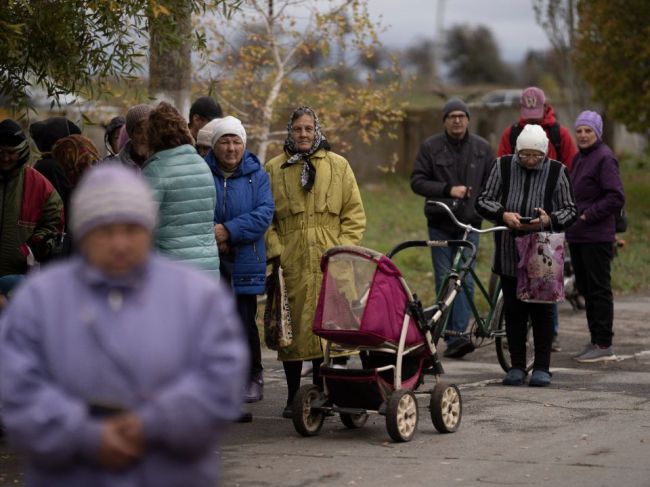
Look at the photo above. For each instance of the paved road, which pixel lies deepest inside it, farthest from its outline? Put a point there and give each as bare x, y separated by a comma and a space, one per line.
590, 428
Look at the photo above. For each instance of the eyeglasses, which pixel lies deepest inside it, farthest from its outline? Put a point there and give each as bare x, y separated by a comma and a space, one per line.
536, 157
462, 116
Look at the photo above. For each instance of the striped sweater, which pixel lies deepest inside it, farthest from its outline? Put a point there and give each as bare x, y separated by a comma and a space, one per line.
513, 188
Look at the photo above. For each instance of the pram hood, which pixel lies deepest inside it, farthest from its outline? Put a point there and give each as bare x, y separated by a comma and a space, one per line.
363, 300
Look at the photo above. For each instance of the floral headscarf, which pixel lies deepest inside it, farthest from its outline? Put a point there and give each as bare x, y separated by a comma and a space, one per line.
75, 154
308, 174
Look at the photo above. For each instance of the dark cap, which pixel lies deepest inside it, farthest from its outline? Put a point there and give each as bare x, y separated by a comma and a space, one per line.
207, 108
11, 135
454, 105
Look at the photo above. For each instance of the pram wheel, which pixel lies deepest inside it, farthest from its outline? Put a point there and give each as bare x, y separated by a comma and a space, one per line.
402, 415
354, 421
446, 407
306, 420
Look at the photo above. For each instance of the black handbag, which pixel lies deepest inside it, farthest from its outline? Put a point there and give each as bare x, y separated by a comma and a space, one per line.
621, 221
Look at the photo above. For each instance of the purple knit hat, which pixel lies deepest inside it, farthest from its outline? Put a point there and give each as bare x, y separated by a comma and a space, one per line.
592, 120
110, 193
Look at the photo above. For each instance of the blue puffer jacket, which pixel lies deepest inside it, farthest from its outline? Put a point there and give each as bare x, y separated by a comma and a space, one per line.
184, 189
245, 207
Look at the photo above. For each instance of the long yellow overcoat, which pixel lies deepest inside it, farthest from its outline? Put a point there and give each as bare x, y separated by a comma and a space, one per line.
304, 225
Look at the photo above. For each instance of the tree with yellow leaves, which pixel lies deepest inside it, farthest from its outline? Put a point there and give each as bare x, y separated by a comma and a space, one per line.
276, 55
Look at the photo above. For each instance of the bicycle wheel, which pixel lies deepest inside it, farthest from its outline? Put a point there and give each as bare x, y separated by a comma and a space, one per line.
501, 341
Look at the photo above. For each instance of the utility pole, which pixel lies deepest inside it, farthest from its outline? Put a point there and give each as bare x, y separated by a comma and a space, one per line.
439, 41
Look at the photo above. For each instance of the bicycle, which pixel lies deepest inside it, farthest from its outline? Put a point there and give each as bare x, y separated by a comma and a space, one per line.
485, 328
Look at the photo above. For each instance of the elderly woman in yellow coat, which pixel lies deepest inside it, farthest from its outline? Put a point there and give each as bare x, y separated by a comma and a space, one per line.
317, 206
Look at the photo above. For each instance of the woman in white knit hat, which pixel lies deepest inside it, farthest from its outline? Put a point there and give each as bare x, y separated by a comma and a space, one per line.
526, 184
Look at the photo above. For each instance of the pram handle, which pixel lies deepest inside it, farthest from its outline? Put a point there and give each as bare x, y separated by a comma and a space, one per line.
433, 243
465, 226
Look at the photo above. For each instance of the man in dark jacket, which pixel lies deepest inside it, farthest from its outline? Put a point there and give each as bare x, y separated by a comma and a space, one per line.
452, 167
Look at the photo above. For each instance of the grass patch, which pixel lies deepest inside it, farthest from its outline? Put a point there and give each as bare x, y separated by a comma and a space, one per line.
631, 269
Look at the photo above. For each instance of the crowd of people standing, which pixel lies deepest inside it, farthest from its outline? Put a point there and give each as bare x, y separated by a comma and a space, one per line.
216, 217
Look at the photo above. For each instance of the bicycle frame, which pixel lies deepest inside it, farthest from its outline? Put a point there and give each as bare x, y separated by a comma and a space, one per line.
484, 326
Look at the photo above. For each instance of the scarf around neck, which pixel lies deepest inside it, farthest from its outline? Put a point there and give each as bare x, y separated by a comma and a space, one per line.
308, 173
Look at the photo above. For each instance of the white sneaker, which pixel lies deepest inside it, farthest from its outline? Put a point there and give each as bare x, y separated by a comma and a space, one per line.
588, 348
597, 354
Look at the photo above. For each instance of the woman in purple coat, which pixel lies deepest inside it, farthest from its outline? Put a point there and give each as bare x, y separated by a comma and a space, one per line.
127, 374
599, 197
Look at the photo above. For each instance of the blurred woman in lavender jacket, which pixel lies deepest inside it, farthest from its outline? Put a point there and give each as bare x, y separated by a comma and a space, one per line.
127, 373
599, 197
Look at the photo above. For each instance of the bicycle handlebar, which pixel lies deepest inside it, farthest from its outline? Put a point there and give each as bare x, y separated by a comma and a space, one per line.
465, 226
432, 243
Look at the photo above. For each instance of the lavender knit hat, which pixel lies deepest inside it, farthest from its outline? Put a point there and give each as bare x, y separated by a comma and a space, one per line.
110, 193
592, 120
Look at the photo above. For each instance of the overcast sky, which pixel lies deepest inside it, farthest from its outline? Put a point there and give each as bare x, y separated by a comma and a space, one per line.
512, 22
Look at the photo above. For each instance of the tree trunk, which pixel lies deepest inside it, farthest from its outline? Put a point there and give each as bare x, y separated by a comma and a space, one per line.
170, 57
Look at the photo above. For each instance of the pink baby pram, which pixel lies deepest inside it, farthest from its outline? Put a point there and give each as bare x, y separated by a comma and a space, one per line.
366, 306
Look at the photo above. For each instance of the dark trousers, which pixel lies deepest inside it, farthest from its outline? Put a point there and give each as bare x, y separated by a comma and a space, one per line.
517, 314
292, 370
592, 266
247, 309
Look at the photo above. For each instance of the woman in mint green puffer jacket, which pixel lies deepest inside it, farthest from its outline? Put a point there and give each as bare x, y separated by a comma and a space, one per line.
184, 189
